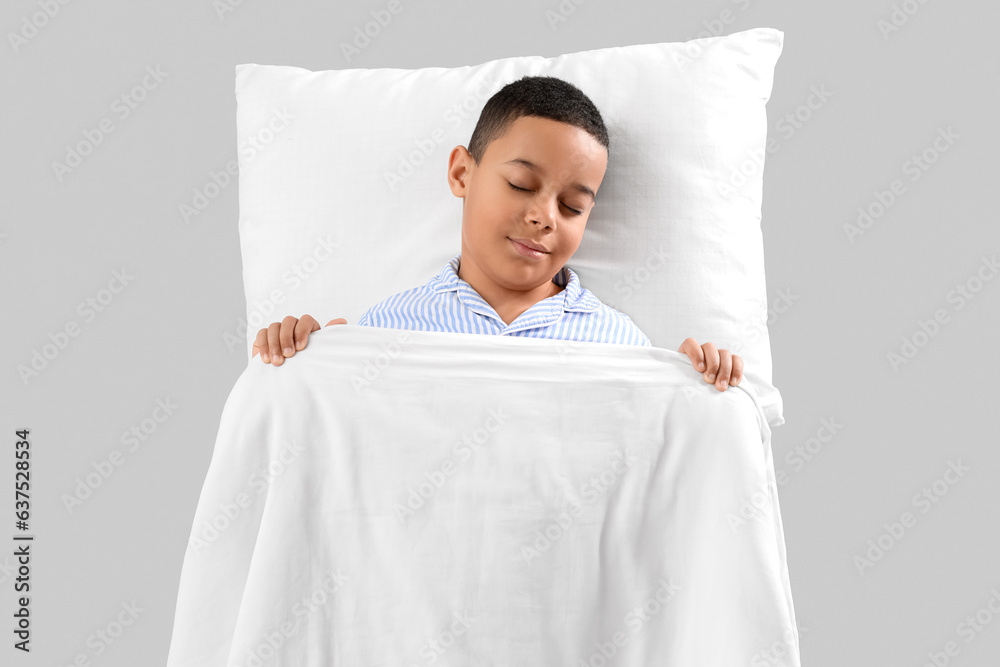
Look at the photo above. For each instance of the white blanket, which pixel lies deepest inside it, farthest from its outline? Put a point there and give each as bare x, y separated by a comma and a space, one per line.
391, 497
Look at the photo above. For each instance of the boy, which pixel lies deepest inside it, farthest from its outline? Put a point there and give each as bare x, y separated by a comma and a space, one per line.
528, 182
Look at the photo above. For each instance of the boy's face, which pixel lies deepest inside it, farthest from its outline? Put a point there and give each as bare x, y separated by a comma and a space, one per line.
551, 213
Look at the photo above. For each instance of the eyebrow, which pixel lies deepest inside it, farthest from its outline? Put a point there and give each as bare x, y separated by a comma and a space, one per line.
534, 167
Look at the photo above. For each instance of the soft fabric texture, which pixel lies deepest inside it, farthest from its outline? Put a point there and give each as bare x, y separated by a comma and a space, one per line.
448, 303
393, 497
344, 199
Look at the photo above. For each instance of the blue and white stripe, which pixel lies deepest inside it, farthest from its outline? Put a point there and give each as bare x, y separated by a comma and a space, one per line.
449, 304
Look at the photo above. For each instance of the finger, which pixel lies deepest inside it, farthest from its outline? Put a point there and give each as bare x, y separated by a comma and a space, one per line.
285, 335
306, 325
711, 362
737, 374
260, 344
694, 352
339, 320
725, 368
273, 345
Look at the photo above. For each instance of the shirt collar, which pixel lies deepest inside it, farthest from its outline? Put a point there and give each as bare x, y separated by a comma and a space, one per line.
574, 297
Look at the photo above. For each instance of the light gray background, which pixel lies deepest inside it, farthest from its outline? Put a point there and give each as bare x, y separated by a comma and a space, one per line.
852, 303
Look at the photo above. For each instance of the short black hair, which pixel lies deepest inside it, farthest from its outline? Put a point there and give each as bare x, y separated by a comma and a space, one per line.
543, 96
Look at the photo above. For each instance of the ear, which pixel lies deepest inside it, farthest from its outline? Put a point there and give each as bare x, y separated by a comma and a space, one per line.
459, 167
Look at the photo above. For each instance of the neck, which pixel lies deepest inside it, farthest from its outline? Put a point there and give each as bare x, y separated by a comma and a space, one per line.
508, 303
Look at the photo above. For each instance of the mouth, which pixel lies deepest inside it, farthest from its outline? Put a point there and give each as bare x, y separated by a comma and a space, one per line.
528, 249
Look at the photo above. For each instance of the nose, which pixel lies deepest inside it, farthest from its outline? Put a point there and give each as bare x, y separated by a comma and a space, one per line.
544, 210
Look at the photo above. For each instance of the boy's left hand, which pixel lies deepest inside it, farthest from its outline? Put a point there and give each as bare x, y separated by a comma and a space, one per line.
717, 367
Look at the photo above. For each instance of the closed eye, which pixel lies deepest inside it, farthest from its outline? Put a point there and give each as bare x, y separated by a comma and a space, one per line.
575, 212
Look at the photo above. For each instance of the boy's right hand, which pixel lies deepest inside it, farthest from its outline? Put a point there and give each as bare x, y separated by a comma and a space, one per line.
282, 339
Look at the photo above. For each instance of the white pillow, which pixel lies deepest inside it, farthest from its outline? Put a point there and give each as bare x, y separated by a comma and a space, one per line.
344, 199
